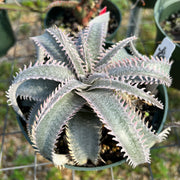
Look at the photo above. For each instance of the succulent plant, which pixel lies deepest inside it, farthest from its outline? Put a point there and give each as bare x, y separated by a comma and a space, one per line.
76, 87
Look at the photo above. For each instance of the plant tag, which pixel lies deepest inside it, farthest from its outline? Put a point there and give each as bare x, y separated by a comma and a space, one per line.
165, 49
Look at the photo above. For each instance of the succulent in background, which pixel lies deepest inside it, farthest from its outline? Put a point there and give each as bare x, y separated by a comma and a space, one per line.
76, 88
83, 10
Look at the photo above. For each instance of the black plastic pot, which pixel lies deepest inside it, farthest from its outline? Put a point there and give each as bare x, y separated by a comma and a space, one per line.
114, 11
162, 10
7, 38
56, 13
158, 121
148, 3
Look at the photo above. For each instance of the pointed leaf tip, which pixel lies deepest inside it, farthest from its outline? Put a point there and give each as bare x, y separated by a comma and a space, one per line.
59, 160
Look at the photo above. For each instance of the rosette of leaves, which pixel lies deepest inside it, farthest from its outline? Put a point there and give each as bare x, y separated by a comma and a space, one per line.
76, 87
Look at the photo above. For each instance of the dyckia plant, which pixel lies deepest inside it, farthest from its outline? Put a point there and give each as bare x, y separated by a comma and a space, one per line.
76, 88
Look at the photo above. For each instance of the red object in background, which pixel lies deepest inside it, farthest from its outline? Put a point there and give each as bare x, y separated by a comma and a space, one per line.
143, 3
103, 10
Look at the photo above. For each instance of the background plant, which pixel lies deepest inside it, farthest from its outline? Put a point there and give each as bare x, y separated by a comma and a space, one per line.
83, 10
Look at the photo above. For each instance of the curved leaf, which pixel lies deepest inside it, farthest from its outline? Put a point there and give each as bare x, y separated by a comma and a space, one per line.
46, 45
141, 70
95, 37
134, 51
83, 135
51, 122
125, 88
122, 123
51, 71
47, 71
36, 89
41, 54
69, 49
31, 119
53, 115
81, 45
113, 54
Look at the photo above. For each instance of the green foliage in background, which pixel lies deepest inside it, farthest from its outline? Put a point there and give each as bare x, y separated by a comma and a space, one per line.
54, 174
25, 160
5, 72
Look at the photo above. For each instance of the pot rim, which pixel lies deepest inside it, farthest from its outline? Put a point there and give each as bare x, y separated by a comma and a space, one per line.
162, 89
158, 11
164, 95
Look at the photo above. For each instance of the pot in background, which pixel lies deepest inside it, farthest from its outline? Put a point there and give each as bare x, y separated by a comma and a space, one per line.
56, 13
162, 10
7, 38
148, 3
